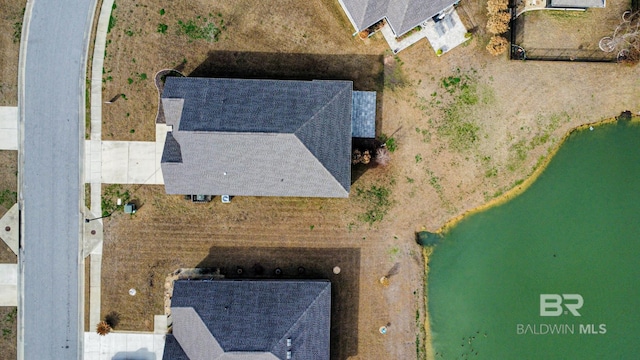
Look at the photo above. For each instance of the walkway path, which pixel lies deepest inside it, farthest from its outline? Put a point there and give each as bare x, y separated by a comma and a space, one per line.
8, 128
94, 153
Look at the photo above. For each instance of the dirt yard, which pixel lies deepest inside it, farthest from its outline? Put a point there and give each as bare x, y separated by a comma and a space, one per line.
467, 127
557, 29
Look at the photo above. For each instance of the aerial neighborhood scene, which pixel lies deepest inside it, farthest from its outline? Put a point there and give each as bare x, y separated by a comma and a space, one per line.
320, 179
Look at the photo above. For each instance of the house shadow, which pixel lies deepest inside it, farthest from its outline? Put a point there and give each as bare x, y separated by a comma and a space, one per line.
365, 71
140, 354
302, 263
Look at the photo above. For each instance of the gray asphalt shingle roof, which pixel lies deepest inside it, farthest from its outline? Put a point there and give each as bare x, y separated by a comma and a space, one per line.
257, 137
216, 319
578, 3
402, 15
363, 118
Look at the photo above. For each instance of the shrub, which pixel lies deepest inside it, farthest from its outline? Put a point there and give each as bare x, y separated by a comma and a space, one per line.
103, 328
497, 45
496, 6
498, 23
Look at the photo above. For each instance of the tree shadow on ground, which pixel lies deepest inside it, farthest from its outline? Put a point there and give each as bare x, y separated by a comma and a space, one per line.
303, 263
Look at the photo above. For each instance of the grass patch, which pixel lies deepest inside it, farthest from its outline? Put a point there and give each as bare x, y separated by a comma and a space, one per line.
8, 322
378, 202
109, 198
461, 95
17, 28
394, 77
201, 28
8, 198
389, 142
162, 28
112, 19
426, 134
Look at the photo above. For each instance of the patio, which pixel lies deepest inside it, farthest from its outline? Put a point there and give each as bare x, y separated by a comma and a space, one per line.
444, 33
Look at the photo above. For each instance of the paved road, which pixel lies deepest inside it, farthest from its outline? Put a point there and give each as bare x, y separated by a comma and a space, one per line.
51, 99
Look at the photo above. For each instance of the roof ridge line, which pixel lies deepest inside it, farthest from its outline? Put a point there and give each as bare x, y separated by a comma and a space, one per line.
315, 114
301, 315
321, 164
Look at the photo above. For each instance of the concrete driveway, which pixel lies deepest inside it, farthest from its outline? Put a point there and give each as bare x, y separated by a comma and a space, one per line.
127, 162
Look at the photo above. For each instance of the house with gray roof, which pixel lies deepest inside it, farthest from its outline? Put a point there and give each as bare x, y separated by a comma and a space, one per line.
262, 137
401, 15
249, 320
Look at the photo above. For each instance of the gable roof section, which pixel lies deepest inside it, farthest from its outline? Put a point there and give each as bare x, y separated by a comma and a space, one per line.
257, 137
222, 319
402, 15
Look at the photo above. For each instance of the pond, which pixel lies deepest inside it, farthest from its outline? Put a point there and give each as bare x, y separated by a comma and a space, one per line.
555, 272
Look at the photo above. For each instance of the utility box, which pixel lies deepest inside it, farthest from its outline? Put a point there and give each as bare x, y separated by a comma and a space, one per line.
130, 208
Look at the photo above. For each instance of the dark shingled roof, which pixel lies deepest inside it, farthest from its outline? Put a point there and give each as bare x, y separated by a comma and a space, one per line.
257, 137
402, 15
363, 118
172, 349
250, 316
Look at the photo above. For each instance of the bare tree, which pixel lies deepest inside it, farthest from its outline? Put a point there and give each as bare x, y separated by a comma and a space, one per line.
382, 156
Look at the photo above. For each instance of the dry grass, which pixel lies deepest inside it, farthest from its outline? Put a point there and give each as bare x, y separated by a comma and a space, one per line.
10, 29
550, 29
169, 232
8, 186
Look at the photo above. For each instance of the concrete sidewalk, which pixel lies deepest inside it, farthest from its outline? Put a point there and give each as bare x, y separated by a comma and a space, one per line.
93, 167
8, 284
8, 128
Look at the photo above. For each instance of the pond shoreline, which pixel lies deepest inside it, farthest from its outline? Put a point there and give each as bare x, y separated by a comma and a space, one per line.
504, 198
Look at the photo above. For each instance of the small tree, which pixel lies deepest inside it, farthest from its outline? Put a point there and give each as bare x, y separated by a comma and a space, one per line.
497, 45
103, 328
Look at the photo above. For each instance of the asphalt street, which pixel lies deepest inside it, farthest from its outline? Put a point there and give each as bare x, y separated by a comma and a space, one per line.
52, 103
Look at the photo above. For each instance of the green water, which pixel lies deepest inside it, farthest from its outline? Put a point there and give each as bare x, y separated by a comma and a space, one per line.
576, 230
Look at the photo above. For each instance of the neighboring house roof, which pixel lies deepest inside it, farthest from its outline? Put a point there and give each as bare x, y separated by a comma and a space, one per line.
402, 15
250, 319
578, 3
257, 137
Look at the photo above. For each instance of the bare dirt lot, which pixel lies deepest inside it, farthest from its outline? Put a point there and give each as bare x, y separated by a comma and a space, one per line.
467, 127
